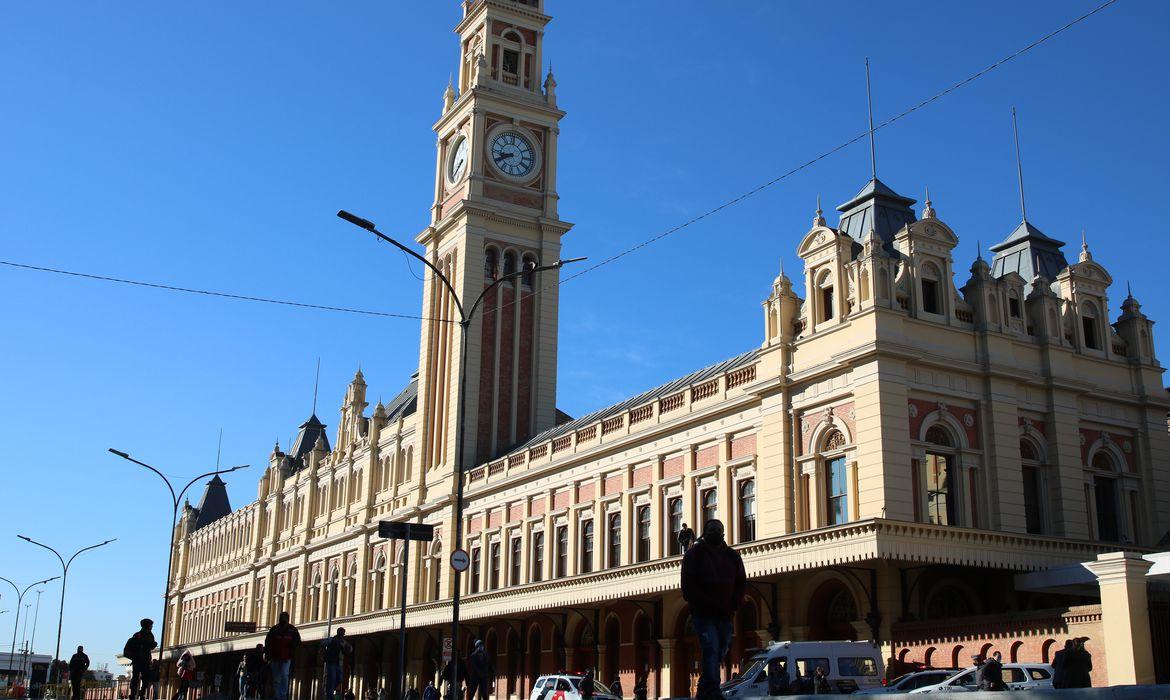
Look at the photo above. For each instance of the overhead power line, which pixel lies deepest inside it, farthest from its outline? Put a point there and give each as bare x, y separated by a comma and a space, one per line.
910, 110
224, 295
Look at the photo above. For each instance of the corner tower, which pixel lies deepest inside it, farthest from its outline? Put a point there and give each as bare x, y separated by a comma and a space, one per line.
495, 209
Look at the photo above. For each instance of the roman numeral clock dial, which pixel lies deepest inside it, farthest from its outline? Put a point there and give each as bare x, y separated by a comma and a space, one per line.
512, 155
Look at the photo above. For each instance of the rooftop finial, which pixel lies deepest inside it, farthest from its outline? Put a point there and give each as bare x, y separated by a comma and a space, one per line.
869, 99
1128, 290
218, 450
1019, 165
819, 220
1085, 254
928, 210
316, 383
978, 250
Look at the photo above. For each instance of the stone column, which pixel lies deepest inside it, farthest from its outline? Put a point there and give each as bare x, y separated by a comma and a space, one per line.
665, 673
1125, 617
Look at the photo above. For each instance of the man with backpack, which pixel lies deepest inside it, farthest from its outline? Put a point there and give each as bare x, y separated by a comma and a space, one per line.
336, 649
714, 584
279, 646
78, 665
137, 649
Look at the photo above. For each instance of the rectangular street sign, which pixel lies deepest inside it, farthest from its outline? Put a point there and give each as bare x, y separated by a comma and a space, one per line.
446, 648
245, 627
401, 530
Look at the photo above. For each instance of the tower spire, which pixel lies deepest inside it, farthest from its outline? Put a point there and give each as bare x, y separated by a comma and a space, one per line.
218, 450
869, 99
1019, 165
316, 383
819, 219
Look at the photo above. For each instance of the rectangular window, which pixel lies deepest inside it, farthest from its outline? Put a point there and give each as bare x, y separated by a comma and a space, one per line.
930, 296
562, 551
837, 491
807, 667
1032, 500
615, 540
644, 533
675, 509
475, 568
1105, 490
1090, 326
537, 573
494, 571
856, 666
514, 564
827, 304
1014, 307
710, 500
747, 510
586, 547
511, 61
940, 507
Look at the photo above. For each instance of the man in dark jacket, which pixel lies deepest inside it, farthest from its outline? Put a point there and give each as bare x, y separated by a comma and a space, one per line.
686, 537
1059, 659
138, 649
1078, 666
336, 650
279, 646
78, 665
713, 583
479, 672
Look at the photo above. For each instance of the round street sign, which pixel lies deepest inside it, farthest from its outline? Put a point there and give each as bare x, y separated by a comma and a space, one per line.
459, 560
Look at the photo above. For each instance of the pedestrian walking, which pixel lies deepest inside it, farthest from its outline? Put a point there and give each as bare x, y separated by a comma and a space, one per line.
254, 670
430, 692
153, 676
992, 673
280, 644
586, 688
186, 672
479, 672
615, 688
821, 682
137, 649
686, 537
640, 686
713, 584
336, 650
1059, 669
1079, 666
78, 665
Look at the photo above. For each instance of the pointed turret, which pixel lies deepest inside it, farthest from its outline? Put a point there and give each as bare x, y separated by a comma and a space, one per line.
876, 207
1028, 252
310, 431
214, 504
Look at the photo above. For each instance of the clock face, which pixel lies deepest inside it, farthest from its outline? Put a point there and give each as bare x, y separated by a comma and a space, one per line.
457, 163
512, 154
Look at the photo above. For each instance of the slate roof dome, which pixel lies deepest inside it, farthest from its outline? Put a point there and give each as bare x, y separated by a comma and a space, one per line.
214, 504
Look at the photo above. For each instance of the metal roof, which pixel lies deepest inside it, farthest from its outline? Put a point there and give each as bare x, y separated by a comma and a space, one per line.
667, 389
307, 437
876, 207
214, 504
1028, 252
405, 402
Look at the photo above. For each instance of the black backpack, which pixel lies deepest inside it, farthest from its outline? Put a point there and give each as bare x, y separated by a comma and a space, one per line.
130, 651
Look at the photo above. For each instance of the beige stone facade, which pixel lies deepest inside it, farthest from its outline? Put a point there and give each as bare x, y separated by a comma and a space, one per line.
900, 444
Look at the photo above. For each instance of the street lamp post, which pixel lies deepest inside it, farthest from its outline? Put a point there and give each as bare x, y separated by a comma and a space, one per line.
64, 577
465, 318
175, 500
32, 643
19, 597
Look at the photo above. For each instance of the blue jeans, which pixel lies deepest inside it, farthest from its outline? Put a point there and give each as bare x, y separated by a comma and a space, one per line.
280, 678
332, 678
714, 634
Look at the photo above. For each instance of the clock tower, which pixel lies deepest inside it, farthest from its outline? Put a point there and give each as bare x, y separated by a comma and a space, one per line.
495, 210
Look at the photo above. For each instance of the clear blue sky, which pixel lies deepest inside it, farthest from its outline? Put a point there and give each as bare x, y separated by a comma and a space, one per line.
209, 145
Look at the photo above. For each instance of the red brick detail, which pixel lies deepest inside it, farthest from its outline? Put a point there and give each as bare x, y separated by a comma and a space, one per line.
644, 476
743, 446
707, 457
507, 313
515, 513
1037, 424
613, 484
496, 518
925, 408
811, 421
672, 467
475, 525
524, 199
524, 379
1090, 436
537, 505
586, 492
561, 500
487, 376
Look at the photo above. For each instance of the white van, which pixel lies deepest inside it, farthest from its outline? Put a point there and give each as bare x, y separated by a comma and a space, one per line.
850, 666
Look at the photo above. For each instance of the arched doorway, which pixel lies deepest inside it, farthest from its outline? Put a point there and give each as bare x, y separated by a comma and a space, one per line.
491, 645
535, 656
747, 621
684, 662
831, 612
613, 649
515, 682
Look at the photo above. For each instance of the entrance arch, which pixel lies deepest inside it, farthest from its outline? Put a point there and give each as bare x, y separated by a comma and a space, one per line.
831, 612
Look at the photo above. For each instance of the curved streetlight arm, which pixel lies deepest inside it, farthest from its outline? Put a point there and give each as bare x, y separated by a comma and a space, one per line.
57, 554
369, 226
511, 276
127, 457
86, 549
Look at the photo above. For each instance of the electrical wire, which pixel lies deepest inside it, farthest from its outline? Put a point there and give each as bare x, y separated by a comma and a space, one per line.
224, 295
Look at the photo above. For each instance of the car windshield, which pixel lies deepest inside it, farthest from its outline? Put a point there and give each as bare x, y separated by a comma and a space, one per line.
751, 672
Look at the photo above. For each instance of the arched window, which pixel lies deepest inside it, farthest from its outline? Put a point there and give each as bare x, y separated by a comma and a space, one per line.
537, 573
931, 289
1106, 497
351, 589
675, 510
586, 547
1034, 501
948, 601
940, 457
335, 593
825, 297
1015, 310
529, 265
380, 583
615, 540
509, 263
747, 510
836, 480
476, 568
494, 566
1089, 322
710, 506
883, 284
643, 533
490, 262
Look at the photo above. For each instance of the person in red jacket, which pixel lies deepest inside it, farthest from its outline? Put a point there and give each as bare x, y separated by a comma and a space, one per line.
279, 646
713, 583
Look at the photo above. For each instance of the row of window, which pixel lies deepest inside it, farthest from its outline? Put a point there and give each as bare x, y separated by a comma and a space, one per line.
643, 532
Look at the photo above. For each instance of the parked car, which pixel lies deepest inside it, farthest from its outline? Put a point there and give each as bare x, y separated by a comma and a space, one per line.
566, 687
1023, 676
850, 666
911, 681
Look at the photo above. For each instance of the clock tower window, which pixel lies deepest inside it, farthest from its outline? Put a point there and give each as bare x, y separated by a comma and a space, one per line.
490, 262
509, 263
